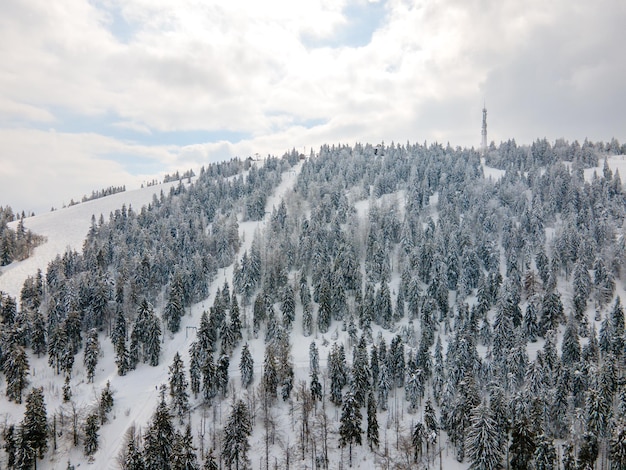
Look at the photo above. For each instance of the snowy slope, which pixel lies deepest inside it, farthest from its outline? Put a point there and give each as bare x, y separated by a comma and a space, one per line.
136, 395
67, 228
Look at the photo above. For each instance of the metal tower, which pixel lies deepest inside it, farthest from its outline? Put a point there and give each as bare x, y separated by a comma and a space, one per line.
483, 143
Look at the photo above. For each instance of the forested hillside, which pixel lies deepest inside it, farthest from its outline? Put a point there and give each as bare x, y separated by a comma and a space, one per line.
397, 306
15, 245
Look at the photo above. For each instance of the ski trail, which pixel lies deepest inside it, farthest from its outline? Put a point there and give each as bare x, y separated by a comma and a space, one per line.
136, 397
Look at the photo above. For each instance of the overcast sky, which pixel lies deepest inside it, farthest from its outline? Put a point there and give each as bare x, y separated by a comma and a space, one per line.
111, 92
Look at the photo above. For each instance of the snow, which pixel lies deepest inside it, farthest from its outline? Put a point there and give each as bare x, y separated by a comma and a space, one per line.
136, 394
616, 163
66, 229
491, 173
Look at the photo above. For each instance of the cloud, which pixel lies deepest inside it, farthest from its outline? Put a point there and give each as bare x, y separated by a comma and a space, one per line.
176, 82
48, 168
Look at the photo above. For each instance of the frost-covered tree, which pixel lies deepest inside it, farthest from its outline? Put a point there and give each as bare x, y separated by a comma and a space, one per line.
184, 452
522, 447
105, 405
324, 313
483, 441
174, 308
246, 367
35, 423
91, 354
16, 369
350, 423
270, 373
178, 387
372, 422
92, 426
617, 446
545, 453
235, 443
159, 439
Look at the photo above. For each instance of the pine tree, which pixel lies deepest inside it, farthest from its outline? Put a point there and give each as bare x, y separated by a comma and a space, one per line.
92, 426
67, 390
360, 373
431, 424
159, 439
25, 453
270, 373
122, 358
178, 387
384, 306
617, 446
551, 313
35, 422
417, 441
337, 373
221, 374
316, 387
372, 422
174, 308
529, 322
133, 459
324, 312
569, 460
210, 463
235, 443
396, 361
38, 334
246, 367
185, 453
92, 351
307, 320
384, 385
545, 453
522, 446
483, 441
10, 444
153, 341
570, 346
16, 369
106, 403
588, 451
350, 425
288, 306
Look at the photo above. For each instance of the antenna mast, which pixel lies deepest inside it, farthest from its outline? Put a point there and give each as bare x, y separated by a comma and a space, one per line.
483, 143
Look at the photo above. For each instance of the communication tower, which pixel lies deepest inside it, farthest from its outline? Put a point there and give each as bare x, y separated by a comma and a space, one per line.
483, 144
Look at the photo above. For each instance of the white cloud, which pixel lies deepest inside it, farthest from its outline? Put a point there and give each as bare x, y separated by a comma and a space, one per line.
154, 66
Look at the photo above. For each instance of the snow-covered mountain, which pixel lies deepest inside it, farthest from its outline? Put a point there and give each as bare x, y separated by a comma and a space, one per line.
403, 249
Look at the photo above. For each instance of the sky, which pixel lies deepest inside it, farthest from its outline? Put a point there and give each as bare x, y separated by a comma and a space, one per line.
110, 92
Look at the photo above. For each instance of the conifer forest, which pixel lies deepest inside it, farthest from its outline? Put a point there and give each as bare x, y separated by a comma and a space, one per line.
390, 306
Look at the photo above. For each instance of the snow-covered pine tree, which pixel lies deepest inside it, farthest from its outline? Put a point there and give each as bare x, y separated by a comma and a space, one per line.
91, 428
235, 443
350, 424
16, 369
372, 422
545, 453
483, 442
159, 439
92, 351
35, 423
184, 457
105, 404
178, 388
246, 367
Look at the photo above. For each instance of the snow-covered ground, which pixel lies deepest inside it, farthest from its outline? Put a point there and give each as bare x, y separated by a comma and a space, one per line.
136, 395
67, 228
616, 163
